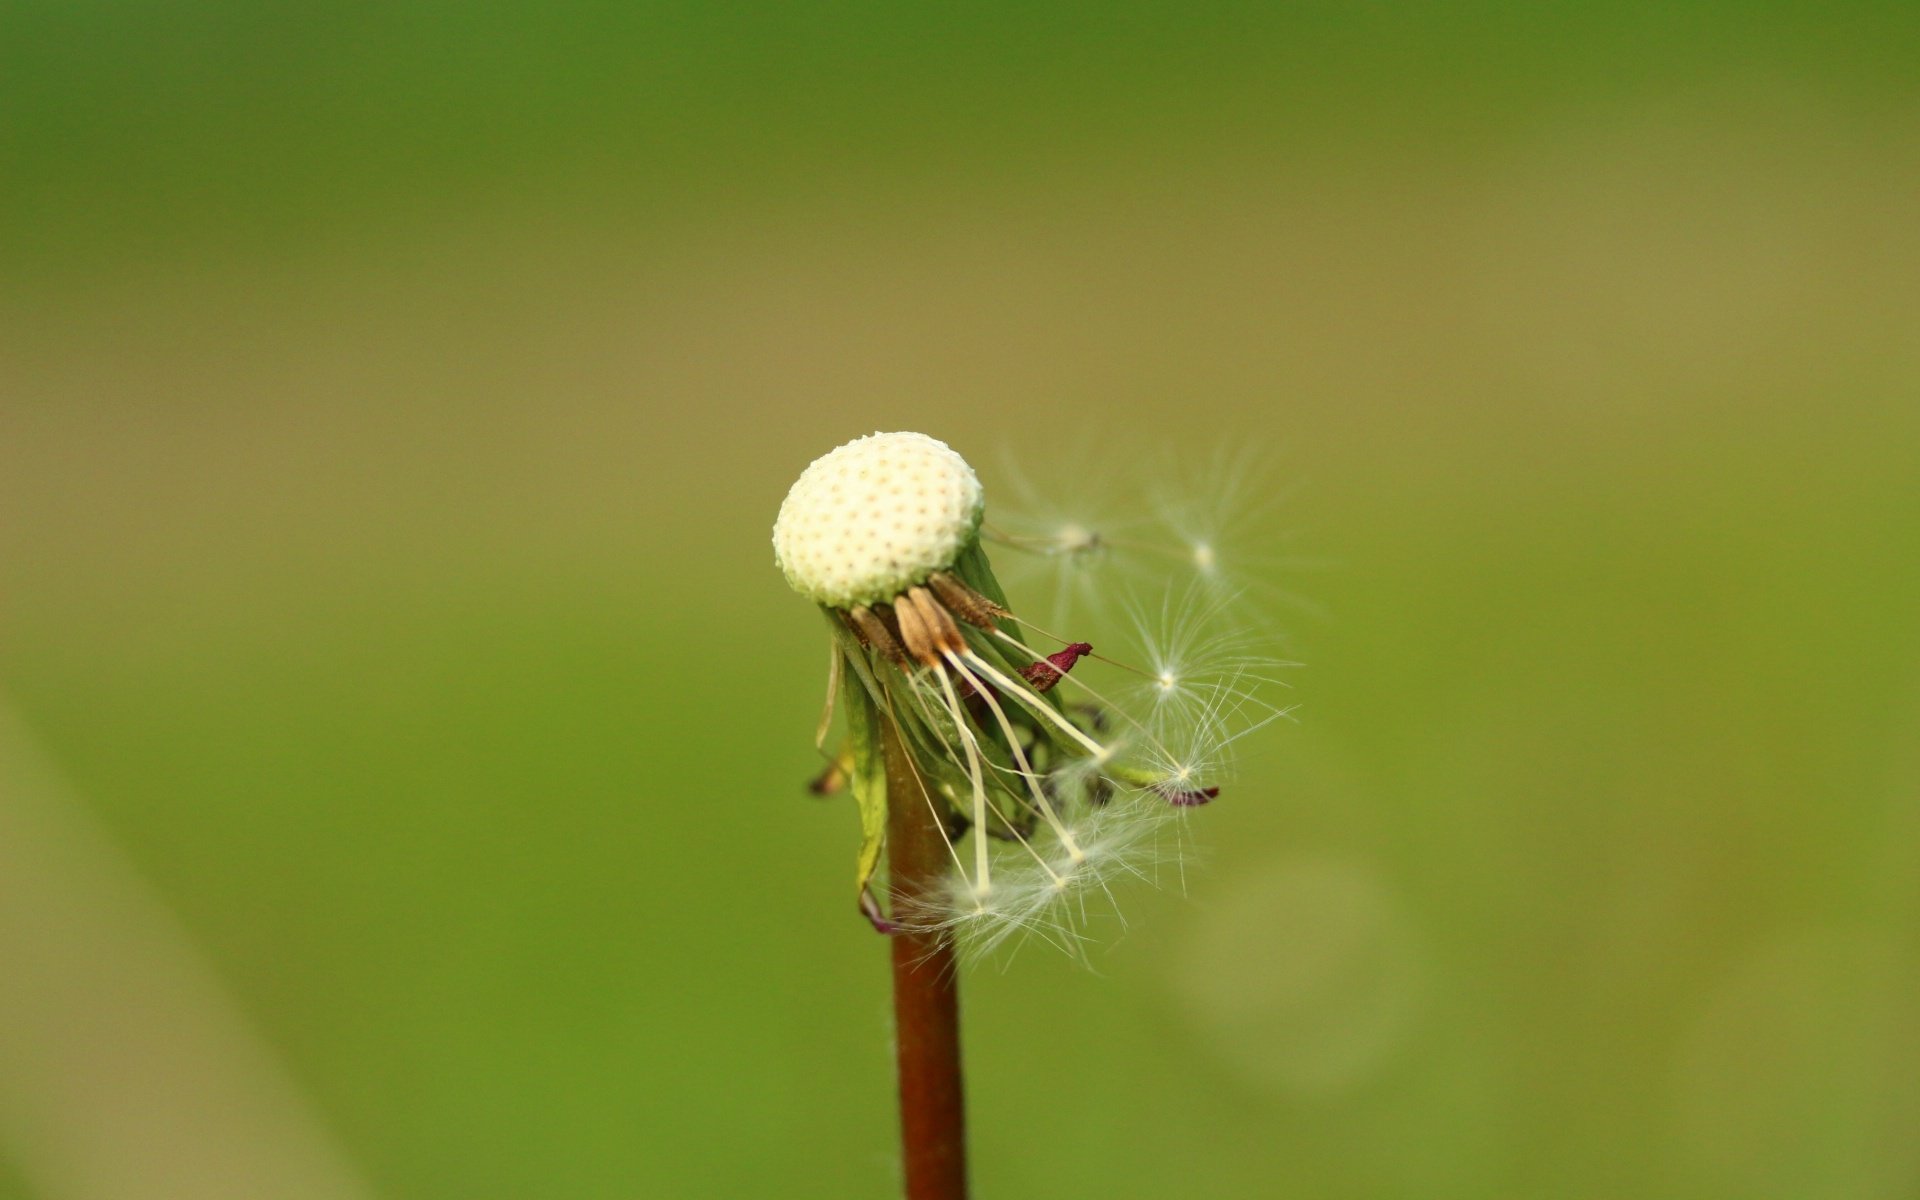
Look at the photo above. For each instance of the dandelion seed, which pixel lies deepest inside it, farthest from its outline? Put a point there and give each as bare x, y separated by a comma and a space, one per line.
1206, 525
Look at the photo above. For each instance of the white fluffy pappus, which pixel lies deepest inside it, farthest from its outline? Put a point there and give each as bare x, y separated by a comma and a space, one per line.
1047, 893
1162, 751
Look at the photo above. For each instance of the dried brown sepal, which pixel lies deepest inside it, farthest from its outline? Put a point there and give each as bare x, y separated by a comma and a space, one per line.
874, 634
914, 633
829, 782
946, 634
889, 621
970, 606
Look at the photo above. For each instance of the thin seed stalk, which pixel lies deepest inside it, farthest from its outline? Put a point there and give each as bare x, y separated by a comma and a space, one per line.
926, 993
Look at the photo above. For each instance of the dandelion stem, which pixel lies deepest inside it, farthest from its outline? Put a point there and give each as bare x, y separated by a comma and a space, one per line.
926, 995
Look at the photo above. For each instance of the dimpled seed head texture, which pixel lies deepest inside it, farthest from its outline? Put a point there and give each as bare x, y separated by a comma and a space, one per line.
867, 521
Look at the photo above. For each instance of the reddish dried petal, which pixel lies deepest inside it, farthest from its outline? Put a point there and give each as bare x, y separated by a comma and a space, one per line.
1043, 675
1185, 797
870, 909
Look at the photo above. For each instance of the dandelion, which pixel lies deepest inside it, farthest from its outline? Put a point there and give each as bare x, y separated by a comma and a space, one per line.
1012, 775
1012, 750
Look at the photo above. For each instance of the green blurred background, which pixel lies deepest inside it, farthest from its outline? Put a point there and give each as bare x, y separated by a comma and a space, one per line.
401, 719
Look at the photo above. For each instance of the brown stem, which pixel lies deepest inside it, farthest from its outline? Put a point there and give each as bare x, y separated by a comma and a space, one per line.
926, 995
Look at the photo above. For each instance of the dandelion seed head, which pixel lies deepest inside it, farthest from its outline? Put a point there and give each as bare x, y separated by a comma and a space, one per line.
872, 518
